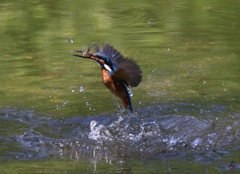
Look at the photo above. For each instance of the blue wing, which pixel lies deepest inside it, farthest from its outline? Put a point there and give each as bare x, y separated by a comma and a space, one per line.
124, 68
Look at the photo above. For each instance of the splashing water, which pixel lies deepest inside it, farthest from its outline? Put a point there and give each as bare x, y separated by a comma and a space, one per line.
145, 135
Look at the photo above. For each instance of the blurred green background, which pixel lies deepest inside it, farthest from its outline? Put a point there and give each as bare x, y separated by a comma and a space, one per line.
188, 51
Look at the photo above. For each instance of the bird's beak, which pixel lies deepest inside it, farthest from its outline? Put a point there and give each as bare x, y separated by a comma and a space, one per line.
85, 54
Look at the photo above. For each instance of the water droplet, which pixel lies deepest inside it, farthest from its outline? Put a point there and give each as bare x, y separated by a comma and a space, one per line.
64, 103
81, 89
129, 91
58, 107
69, 40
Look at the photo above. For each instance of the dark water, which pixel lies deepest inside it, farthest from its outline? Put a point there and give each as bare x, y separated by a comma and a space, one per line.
57, 117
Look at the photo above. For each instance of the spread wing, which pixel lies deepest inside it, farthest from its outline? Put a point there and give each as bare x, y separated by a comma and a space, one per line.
129, 72
112, 54
126, 69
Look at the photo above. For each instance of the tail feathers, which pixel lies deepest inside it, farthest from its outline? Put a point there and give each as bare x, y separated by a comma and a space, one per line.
127, 104
127, 101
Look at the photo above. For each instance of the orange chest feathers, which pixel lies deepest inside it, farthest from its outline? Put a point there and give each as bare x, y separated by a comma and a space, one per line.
106, 78
108, 81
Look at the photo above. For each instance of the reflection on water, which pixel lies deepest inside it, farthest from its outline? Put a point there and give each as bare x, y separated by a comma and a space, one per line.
117, 139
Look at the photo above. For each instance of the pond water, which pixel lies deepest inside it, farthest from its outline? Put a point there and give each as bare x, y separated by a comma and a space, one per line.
57, 117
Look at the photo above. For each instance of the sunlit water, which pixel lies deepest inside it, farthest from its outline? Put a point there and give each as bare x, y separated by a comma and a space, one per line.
57, 117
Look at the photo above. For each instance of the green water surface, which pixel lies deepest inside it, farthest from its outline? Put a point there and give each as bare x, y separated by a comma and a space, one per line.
189, 52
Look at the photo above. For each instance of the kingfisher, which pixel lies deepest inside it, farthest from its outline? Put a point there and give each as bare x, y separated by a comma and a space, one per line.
118, 73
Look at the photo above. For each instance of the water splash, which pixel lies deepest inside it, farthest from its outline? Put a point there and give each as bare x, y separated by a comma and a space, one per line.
99, 132
145, 134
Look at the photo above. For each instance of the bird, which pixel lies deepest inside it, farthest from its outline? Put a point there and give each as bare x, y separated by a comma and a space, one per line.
119, 74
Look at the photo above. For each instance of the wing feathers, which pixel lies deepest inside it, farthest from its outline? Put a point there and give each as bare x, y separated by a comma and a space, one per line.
130, 72
127, 69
